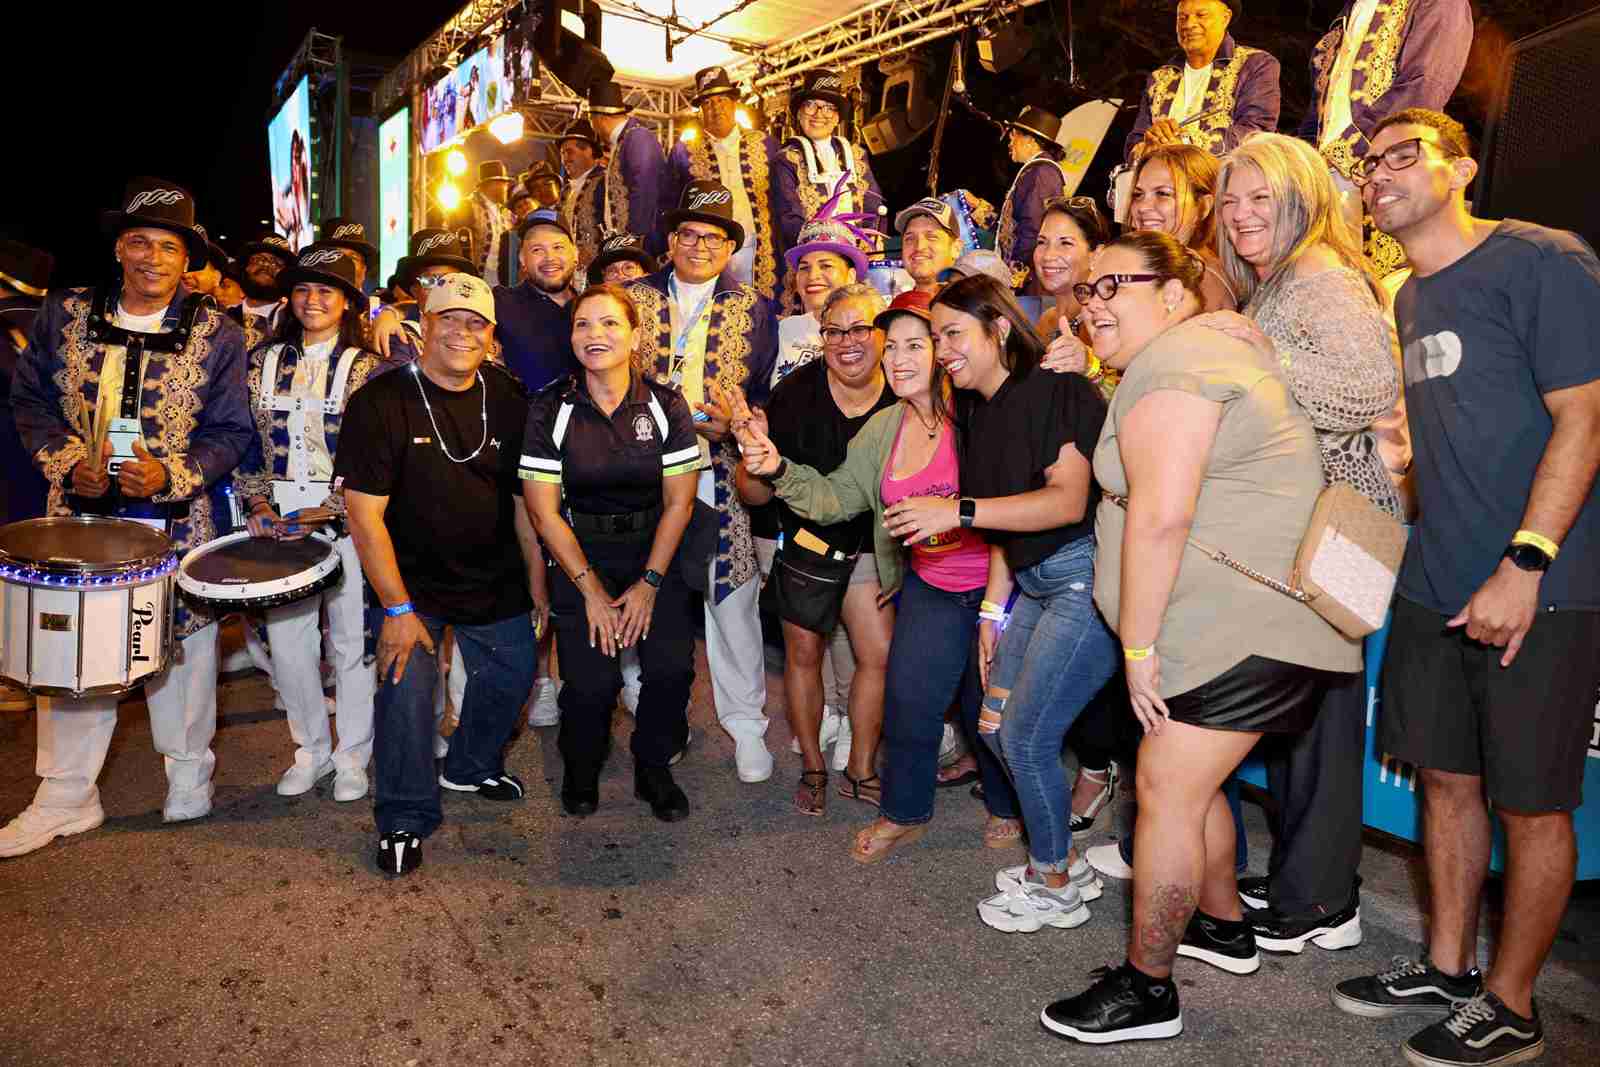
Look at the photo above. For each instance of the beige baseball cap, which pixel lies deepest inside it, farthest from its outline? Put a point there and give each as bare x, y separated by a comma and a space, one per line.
456, 292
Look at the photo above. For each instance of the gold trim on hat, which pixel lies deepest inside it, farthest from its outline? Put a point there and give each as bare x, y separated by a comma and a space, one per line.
21, 286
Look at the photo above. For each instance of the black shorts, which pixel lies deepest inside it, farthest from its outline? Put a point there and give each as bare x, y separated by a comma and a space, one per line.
1258, 694
1448, 705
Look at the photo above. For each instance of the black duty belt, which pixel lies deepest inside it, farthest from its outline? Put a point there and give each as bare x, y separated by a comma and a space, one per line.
629, 522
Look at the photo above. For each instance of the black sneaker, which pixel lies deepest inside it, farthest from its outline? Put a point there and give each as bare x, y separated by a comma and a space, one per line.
501, 787
1122, 1005
1411, 987
1221, 943
1481, 1030
654, 786
399, 852
1253, 891
1342, 929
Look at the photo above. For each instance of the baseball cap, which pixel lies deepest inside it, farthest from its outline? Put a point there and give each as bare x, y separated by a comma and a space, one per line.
544, 217
911, 302
933, 208
462, 292
979, 261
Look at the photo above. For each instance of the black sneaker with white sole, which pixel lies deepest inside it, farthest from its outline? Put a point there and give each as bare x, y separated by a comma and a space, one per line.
1253, 892
399, 852
501, 787
1222, 943
1410, 987
1122, 1005
1342, 929
1481, 1030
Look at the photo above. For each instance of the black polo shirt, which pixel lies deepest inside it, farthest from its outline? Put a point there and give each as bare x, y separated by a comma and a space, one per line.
1012, 437
535, 335
609, 464
806, 425
451, 523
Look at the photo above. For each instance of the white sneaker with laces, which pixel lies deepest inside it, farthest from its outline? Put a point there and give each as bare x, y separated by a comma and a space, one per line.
302, 777
1033, 907
37, 826
1080, 874
1107, 859
841, 746
751, 757
546, 712
350, 783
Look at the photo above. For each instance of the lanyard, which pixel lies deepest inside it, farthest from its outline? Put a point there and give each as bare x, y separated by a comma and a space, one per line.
679, 347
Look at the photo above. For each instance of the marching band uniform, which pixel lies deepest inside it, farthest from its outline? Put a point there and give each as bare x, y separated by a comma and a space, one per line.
808, 171
582, 204
1040, 179
298, 395
182, 373
491, 226
257, 320
743, 163
1243, 90
725, 334
635, 172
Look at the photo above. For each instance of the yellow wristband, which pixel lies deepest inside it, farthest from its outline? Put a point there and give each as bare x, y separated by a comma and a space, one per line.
1539, 541
1092, 370
989, 605
1139, 653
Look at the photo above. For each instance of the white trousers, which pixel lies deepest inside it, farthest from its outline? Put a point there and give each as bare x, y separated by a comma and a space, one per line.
733, 648
295, 638
74, 735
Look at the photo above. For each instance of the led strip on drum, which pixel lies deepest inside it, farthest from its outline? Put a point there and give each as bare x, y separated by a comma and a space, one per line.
23, 575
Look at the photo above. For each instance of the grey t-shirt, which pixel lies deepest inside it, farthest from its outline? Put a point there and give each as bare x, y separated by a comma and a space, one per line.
1484, 339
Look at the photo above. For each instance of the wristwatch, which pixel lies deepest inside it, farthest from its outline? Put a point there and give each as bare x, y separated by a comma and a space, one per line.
652, 578
1528, 557
968, 510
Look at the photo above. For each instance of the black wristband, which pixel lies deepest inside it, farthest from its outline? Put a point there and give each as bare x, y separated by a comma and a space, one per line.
783, 467
968, 509
652, 578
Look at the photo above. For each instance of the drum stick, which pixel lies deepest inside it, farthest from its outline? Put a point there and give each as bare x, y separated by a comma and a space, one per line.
1201, 118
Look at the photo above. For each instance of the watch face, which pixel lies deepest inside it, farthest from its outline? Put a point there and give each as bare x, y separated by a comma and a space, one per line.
1528, 557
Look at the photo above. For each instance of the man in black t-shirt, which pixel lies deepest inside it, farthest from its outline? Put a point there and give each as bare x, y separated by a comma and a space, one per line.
1494, 655
428, 464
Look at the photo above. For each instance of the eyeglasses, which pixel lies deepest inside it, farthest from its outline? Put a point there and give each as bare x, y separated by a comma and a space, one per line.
833, 335
1396, 157
1105, 286
818, 107
713, 242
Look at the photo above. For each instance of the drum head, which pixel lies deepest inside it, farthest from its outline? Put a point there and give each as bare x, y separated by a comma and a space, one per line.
82, 543
256, 559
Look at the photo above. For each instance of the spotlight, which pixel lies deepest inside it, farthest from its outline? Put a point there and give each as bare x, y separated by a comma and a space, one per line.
507, 128
688, 136
741, 115
449, 196
456, 162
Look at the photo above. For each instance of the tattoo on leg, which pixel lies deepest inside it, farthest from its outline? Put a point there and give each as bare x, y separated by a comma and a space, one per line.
1166, 916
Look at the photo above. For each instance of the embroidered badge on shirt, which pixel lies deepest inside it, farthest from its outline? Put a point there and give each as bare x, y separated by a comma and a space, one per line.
643, 428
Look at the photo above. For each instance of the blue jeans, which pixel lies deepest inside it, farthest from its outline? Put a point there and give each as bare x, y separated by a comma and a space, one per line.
932, 659
500, 659
1054, 656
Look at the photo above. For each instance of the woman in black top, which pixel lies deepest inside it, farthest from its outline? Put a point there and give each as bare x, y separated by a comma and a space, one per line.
609, 465
1027, 438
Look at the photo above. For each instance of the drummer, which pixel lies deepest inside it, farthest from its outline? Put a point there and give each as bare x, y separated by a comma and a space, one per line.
157, 378
299, 384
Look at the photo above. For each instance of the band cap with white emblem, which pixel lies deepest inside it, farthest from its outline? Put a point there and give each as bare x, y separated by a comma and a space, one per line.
460, 292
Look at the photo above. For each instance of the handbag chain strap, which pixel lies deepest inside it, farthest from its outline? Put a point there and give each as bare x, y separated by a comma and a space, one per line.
1226, 560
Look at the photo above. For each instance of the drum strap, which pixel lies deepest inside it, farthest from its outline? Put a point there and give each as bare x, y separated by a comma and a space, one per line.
300, 409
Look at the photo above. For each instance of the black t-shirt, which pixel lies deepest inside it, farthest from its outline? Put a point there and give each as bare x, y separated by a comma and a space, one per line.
806, 425
610, 465
1011, 438
451, 523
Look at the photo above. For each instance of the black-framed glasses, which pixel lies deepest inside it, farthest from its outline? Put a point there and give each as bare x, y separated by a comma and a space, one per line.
833, 335
1106, 286
818, 107
1396, 157
713, 242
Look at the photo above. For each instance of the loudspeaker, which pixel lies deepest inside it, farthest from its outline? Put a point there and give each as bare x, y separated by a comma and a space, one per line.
578, 64
908, 110
1003, 46
1536, 161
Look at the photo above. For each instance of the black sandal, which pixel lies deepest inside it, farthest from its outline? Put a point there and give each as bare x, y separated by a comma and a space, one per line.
852, 789
811, 798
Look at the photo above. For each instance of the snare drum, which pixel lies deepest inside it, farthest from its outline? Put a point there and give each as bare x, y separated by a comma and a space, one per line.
87, 604
244, 573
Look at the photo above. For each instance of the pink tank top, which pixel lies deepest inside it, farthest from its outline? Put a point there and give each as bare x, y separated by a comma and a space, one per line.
956, 561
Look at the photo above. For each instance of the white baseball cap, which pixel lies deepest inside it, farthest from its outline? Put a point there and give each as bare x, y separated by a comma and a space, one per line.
457, 292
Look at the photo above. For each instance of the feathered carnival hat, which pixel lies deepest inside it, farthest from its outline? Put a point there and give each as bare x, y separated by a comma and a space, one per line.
842, 234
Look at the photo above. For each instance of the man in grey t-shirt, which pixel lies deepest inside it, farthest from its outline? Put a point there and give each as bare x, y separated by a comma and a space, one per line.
1494, 655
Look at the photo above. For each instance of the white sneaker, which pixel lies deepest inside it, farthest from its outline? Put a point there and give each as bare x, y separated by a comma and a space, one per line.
951, 746
1033, 907
841, 746
751, 757
349, 783
1080, 874
302, 777
191, 804
37, 826
441, 747
545, 710
829, 733
630, 697
1107, 859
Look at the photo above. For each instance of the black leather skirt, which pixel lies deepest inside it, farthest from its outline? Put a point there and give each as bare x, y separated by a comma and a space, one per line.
1259, 694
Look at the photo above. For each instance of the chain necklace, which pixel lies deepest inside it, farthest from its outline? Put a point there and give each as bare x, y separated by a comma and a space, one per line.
437, 436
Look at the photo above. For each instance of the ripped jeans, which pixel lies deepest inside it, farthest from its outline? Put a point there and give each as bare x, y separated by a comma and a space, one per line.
1055, 655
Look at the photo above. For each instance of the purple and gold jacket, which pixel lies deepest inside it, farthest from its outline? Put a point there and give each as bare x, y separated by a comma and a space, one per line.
758, 159
1243, 88
635, 175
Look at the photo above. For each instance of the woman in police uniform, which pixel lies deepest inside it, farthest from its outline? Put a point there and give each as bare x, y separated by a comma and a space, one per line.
610, 462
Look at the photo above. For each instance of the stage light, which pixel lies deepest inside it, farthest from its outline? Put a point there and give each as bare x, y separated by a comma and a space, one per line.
456, 162
507, 128
449, 196
742, 117
689, 134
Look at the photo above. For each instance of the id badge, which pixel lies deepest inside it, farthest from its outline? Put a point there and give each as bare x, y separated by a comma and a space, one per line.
122, 434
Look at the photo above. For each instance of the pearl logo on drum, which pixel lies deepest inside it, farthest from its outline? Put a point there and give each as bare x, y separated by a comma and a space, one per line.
139, 619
